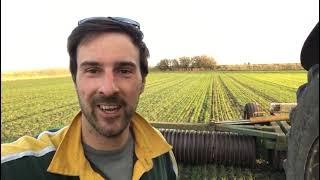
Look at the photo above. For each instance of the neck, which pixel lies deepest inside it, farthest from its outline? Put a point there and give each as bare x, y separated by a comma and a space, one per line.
99, 142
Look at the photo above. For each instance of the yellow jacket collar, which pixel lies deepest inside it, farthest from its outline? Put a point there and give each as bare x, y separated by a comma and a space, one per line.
70, 160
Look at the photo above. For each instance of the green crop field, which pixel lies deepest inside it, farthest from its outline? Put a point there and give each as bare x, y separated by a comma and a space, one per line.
30, 106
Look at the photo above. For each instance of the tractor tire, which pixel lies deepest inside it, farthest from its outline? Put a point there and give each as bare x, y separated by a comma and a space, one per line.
250, 109
303, 138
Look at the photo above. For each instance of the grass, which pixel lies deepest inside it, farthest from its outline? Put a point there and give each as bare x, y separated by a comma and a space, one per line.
31, 103
34, 74
29, 106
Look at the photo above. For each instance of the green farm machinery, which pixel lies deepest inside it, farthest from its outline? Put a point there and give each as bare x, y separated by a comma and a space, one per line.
259, 139
235, 143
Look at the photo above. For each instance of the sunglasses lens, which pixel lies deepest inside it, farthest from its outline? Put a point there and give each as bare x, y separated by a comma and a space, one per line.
113, 19
126, 20
91, 19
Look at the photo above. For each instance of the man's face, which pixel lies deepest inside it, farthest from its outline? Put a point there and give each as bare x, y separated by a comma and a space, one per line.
108, 82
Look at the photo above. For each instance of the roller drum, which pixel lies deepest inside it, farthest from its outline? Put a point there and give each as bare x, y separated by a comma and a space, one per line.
202, 147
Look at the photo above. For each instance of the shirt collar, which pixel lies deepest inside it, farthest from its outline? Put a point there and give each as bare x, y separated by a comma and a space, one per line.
70, 160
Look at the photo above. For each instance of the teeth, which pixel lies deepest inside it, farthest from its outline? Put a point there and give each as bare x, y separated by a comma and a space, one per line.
109, 107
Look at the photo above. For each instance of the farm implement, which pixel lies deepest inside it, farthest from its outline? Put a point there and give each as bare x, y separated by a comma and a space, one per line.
257, 137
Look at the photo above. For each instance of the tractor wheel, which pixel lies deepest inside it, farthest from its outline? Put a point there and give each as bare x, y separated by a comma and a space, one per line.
250, 109
303, 138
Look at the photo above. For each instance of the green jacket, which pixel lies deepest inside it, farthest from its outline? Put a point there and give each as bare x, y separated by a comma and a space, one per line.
60, 155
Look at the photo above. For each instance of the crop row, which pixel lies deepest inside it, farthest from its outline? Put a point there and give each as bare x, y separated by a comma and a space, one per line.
31, 106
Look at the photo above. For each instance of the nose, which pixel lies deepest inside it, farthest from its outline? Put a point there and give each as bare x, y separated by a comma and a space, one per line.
108, 85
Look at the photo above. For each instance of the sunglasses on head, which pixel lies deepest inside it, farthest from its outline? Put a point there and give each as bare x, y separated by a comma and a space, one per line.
120, 20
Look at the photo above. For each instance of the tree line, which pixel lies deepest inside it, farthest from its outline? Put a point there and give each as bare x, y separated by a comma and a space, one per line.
205, 63
185, 63
260, 67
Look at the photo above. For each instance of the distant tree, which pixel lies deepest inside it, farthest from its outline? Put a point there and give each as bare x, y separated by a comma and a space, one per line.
209, 62
196, 62
203, 62
163, 65
174, 64
185, 62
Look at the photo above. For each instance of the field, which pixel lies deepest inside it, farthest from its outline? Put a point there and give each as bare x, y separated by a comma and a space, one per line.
30, 106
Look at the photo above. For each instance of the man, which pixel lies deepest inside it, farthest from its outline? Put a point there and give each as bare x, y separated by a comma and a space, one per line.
107, 139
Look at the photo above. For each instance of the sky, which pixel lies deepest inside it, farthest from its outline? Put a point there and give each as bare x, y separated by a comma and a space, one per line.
34, 32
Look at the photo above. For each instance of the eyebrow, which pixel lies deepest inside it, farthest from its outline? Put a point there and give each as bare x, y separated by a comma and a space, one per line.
117, 64
126, 64
89, 63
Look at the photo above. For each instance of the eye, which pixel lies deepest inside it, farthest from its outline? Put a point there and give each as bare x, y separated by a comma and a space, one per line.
124, 71
92, 70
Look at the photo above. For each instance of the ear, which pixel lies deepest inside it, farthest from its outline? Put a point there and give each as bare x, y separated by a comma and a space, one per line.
142, 87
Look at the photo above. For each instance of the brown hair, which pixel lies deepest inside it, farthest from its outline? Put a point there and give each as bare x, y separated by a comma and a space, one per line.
93, 28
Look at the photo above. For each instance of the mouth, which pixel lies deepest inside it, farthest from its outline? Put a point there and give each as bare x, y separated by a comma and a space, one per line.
109, 108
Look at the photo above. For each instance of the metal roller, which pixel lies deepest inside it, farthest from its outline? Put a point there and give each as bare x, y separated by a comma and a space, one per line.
201, 147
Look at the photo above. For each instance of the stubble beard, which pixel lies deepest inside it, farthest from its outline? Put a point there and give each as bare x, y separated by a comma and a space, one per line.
91, 116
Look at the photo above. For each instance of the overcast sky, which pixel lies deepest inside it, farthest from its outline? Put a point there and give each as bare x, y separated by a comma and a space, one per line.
34, 32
